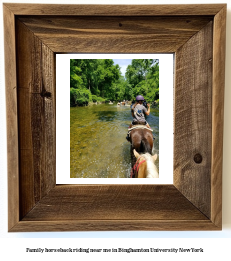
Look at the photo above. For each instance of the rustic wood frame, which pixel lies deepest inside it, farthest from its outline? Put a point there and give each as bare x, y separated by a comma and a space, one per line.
33, 34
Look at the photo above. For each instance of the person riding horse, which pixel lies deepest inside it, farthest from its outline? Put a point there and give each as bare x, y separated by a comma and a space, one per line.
139, 111
141, 139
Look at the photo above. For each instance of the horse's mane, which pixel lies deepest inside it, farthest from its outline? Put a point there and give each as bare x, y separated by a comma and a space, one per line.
151, 167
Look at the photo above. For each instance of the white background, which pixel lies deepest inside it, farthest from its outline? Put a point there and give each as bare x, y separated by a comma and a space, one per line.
63, 120
216, 244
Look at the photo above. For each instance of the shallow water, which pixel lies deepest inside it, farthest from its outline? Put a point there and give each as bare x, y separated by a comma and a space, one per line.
98, 145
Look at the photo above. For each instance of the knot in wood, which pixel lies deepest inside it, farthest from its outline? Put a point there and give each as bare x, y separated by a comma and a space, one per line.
45, 94
198, 158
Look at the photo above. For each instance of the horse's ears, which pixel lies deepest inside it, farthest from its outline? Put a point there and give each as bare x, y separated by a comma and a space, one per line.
136, 153
154, 157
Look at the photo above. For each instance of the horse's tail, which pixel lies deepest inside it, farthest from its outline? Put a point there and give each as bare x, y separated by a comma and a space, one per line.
145, 146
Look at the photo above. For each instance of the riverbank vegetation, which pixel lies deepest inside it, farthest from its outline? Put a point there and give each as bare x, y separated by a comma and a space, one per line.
100, 80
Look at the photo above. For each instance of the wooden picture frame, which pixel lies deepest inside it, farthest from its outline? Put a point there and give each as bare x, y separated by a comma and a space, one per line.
33, 34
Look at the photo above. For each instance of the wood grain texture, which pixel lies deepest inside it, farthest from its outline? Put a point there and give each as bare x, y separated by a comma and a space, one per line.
114, 34
194, 201
11, 116
36, 108
114, 10
218, 114
193, 114
77, 25
99, 202
114, 225
95, 207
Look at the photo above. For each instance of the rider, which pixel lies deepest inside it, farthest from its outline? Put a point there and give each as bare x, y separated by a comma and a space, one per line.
138, 113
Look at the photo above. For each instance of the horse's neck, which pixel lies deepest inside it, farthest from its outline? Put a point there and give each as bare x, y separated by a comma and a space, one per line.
142, 172
151, 170
152, 175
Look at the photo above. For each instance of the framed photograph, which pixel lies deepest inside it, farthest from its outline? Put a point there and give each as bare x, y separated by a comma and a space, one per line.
35, 35
98, 152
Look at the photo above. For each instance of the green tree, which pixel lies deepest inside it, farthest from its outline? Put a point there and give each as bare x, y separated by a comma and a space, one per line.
96, 76
143, 76
101, 79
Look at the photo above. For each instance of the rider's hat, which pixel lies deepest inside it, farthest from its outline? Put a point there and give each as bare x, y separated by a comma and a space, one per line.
139, 98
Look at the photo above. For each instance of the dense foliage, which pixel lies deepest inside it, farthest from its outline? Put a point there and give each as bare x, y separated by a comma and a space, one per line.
98, 80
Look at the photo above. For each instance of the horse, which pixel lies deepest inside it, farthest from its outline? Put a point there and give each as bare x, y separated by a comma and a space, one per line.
141, 140
145, 166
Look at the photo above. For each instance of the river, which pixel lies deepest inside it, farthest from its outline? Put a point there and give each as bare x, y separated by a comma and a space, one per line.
98, 145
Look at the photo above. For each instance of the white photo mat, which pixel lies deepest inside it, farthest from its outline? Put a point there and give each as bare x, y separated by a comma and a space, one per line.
166, 84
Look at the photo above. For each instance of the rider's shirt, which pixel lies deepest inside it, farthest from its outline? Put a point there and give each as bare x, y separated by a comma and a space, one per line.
139, 113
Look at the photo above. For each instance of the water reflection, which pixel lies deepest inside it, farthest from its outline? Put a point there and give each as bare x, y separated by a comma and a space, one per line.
98, 147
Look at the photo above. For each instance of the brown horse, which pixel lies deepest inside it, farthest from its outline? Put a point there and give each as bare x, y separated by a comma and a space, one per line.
141, 140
